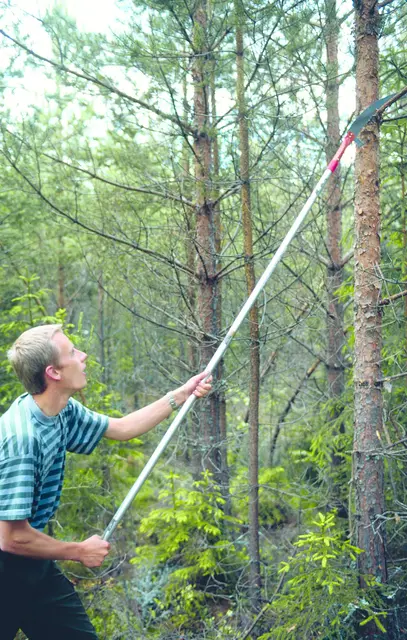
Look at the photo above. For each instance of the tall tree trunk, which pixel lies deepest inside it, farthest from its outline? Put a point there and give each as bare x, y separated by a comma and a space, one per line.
220, 389
367, 467
61, 275
403, 220
193, 453
101, 323
208, 299
106, 476
254, 383
335, 330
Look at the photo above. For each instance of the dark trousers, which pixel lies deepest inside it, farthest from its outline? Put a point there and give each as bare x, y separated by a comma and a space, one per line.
38, 599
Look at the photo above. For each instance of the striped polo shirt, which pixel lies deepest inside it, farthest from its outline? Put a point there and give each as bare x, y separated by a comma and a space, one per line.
32, 456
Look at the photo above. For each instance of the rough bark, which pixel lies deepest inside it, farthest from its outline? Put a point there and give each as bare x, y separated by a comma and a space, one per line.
254, 381
335, 329
334, 212
404, 219
207, 298
61, 275
101, 323
192, 453
368, 467
220, 388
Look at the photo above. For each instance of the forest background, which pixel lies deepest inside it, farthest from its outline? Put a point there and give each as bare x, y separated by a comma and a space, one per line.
148, 173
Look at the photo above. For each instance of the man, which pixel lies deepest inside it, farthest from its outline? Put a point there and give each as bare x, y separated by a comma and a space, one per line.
35, 433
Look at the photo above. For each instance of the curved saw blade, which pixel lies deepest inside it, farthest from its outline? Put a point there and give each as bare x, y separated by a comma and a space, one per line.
367, 115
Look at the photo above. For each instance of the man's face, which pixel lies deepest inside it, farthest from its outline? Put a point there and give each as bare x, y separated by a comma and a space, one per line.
71, 365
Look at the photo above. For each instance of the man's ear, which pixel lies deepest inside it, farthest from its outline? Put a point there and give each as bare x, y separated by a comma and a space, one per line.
52, 372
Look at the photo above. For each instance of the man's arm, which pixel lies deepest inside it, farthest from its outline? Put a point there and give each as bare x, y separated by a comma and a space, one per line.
19, 538
141, 421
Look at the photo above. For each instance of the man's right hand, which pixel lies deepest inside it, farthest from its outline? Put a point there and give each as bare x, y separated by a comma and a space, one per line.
19, 538
93, 551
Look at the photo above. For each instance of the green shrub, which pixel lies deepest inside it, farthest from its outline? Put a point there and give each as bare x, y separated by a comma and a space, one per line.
187, 535
322, 598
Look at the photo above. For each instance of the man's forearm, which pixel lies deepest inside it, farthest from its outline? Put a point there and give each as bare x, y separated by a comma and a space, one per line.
142, 420
138, 422
19, 538
27, 541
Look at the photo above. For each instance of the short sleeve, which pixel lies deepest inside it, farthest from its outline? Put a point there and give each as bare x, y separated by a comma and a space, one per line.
17, 481
85, 427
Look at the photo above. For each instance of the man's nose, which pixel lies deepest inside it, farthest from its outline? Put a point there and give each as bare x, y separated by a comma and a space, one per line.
84, 356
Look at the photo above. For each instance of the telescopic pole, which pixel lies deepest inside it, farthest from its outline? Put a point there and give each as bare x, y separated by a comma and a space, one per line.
354, 130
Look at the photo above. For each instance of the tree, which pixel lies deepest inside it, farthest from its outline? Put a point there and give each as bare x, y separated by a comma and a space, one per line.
335, 368
208, 299
254, 381
368, 471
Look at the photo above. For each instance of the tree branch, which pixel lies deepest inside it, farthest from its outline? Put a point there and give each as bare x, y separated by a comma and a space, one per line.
288, 406
392, 100
95, 176
146, 318
158, 256
384, 3
103, 84
390, 299
348, 256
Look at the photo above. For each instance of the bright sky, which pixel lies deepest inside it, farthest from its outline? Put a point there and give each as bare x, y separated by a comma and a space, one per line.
90, 15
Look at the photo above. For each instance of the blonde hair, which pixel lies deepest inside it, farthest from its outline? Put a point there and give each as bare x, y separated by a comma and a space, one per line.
32, 353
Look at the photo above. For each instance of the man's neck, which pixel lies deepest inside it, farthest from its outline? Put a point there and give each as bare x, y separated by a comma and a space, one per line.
50, 402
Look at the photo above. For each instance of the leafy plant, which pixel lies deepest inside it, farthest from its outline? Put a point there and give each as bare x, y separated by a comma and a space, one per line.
322, 598
187, 534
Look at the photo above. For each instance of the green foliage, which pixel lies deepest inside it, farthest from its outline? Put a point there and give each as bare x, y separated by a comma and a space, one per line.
322, 598
187, 534
332, 435
274, 502
110, 608
26, 310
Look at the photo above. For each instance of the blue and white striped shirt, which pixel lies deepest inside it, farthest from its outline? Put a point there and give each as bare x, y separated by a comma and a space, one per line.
32, 456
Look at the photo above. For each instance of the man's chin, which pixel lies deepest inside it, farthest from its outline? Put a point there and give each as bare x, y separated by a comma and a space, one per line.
81, 386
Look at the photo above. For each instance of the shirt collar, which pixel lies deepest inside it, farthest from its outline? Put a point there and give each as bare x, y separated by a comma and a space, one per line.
37, 413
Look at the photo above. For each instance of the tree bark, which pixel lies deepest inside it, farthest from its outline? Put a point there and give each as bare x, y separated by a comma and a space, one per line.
192, 452
334, 212
220, 388
254, 383
61, 275
101, 323
367, 467
335, 329
208, 295
404, 220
